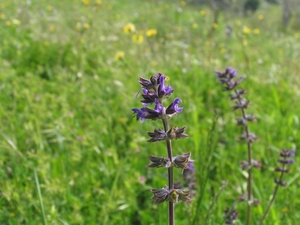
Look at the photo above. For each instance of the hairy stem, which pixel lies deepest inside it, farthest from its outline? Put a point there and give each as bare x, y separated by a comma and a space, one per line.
170, 173
249, 180
272, 200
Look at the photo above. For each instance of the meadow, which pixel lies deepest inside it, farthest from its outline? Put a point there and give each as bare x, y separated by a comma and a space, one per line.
72, 153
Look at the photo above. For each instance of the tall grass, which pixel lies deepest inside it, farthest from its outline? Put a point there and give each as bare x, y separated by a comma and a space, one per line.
65, 109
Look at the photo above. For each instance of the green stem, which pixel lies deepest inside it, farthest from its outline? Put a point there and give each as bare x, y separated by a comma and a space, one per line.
272, 200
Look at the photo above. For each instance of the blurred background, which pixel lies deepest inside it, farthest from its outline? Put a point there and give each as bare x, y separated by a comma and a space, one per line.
73, 153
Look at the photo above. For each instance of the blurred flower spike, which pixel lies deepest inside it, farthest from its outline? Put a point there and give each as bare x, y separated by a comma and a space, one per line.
285, 159
230, 216
151, 32
227, 78
129, 28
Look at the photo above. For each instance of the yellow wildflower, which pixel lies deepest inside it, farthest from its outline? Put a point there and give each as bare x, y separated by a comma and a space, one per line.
78, 26
2, 16
246, 30
151, 32
138, 38
8, 23
194, 25
297, 35
49, 7
129, 28
154, 63
51, 27
256, 31
119, 55
86, 2
215, 25
238, 23
203, 12
86, 26
182, 3
16, 22
223, 50
260, 17
98, 2
284, 210
122, 120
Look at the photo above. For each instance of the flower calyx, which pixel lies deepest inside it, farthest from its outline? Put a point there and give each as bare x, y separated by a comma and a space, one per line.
157, 162
250, 138
174, 195
173, 133
254, 163
182, 161
241, 104
238, 94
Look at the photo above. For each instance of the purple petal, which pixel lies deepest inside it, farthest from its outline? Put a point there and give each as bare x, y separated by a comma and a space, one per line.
140, 113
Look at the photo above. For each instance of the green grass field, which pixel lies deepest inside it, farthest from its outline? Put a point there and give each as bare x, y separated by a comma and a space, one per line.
71, 151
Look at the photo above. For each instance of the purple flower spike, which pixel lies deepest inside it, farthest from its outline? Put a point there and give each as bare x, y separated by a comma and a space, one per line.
228, 78
173, 108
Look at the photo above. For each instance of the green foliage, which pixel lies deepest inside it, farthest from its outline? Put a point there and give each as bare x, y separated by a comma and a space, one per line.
68, 81
251, 5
